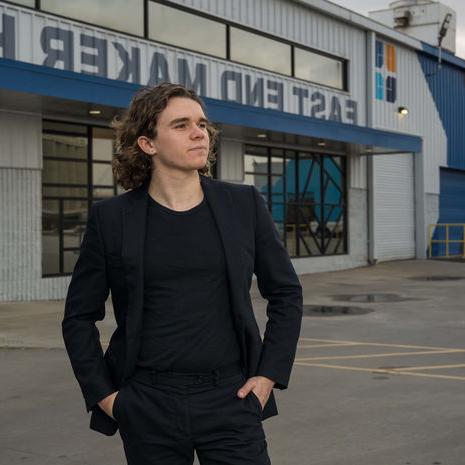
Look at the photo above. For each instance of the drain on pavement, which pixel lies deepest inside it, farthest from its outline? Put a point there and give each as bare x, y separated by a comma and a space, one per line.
333, 310
371, 298
437, 278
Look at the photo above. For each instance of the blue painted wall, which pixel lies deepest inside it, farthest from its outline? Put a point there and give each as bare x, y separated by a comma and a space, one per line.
447, 87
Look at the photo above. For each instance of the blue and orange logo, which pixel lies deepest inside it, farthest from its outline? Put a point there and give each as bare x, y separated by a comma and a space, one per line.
386, 72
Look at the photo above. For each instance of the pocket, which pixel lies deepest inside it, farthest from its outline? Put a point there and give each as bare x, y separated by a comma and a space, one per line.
256, 400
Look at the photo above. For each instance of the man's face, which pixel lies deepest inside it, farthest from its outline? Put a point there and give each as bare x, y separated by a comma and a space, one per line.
182, 140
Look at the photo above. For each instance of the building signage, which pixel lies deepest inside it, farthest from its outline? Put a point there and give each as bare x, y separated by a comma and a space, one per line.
68, 45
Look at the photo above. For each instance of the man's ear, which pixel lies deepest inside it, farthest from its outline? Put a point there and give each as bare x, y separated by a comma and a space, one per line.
146, 145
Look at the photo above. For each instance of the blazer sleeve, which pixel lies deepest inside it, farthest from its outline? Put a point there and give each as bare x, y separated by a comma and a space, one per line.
278, 283
84, 305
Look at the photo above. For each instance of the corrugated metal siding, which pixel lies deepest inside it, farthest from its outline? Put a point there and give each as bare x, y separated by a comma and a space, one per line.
448, 89
451, 210
423, 118
452, 199
394, 207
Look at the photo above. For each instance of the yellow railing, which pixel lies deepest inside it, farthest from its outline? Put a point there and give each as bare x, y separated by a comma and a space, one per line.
447, 240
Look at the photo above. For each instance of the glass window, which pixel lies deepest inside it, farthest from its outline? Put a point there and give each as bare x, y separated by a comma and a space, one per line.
50, 126
391, 89
255, 164
318, 68
68, 152
64, 146
102, 144
253, 49
30, 3
122, 15
64, 172
391, 58
186, 30
379, 86
102, 175
50, 236
64, 191
308, 200
379, 53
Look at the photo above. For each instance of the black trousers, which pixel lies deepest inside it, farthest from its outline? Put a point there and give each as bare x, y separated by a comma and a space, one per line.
164, 417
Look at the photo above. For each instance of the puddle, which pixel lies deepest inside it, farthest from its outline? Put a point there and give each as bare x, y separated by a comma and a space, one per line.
371, 298
334, 310
438, 278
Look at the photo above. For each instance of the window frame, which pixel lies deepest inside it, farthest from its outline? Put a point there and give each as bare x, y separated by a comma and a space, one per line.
145, 35
296, 156
89, 186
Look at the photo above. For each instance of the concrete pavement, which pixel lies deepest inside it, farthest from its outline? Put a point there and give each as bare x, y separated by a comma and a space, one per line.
386, 387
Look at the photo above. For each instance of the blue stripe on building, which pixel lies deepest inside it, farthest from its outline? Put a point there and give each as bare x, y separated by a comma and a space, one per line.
42, 80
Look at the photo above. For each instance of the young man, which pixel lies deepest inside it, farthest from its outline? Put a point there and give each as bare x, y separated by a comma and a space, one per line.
186, 368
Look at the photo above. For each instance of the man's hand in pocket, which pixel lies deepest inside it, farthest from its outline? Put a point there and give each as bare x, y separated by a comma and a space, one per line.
106, 404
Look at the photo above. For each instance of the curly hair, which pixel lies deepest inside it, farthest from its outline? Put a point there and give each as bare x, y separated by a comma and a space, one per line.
131, 166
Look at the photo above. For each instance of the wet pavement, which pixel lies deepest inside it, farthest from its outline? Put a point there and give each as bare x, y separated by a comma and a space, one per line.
386, 387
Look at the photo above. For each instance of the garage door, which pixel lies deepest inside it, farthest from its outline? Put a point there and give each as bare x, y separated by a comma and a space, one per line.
394, 206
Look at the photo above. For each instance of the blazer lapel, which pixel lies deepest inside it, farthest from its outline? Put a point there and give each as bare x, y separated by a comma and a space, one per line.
133, 238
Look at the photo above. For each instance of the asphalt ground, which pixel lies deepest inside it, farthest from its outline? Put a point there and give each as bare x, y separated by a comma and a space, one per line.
386, 387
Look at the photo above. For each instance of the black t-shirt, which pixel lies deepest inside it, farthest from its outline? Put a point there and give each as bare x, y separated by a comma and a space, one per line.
187, 321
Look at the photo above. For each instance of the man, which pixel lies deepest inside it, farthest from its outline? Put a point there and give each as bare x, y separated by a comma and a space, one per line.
186, 368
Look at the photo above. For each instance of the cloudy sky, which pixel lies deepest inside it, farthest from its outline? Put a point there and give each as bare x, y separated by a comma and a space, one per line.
363, 6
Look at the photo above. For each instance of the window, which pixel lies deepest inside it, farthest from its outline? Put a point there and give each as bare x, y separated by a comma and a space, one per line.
122, 15
391, 58
319, 68
379, 86
262, 52
76, 172
306, 195
391, 90
30, 3
379, 54
186, 30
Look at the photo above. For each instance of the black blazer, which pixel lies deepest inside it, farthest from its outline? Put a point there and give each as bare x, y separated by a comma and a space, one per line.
111, 258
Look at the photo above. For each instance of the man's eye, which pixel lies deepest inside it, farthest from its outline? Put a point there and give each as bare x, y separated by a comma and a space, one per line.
203, 125
180, 125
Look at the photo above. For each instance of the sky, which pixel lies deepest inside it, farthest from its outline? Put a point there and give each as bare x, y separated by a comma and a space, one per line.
364, 6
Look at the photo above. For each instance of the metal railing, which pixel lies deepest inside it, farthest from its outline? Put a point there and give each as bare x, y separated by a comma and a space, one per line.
446, 240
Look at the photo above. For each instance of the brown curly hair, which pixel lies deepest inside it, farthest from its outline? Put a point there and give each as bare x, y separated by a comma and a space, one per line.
131, 166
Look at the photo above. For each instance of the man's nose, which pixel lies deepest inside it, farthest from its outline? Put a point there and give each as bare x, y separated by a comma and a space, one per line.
197, 133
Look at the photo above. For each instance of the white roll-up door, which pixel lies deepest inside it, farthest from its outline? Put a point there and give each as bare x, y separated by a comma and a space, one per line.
394, 207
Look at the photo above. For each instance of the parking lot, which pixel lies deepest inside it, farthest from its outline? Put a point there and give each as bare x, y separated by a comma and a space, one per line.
379, 375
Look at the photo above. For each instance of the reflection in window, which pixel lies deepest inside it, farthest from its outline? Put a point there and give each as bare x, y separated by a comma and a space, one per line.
187, 30
253, 49
30, 3
307, 200
122, 15
318, 68
76, 172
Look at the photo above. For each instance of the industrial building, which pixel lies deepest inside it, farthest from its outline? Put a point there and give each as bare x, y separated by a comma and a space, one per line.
350, 126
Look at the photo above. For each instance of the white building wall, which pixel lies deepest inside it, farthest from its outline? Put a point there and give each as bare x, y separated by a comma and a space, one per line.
423, 119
